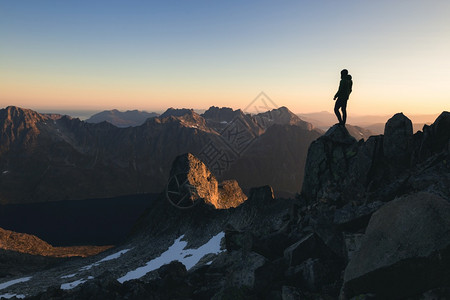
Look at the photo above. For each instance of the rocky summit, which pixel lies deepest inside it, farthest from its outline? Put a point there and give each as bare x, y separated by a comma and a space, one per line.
370, 223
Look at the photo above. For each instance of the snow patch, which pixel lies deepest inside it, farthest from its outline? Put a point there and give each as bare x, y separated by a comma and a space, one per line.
114, 256
68, 276
4, 285
8, 296
73, 284
5, 172
188, 257
109, 257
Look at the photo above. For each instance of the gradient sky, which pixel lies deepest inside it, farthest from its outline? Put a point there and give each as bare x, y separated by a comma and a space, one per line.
152, 55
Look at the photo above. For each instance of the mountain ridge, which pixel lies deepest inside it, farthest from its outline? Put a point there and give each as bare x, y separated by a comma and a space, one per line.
122, 119
60, 155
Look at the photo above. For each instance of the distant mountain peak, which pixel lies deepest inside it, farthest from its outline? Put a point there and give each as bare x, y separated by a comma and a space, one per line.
18, 125
15, 113
281, 116
184, 117
122, 119
177, 112
221, 114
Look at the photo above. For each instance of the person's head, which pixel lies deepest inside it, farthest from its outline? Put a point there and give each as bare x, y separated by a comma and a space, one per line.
344, 73
349, 77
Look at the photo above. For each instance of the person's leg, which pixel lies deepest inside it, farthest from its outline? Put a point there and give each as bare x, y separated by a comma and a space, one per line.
344, 112
336, 111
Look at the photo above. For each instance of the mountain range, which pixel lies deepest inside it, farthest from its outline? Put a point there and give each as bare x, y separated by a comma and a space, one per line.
52, 157
45, 158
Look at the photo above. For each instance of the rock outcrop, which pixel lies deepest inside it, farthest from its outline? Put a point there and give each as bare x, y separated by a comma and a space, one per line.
341, 170
328, 166
230, 194
398, 140
190, 179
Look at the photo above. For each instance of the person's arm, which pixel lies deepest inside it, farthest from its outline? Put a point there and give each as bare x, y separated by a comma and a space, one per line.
341, 83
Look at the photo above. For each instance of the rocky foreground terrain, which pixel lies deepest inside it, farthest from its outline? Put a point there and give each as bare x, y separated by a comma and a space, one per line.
372, 222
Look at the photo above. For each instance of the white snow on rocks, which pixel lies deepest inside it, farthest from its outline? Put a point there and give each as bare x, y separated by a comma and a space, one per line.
188, 257
4, 285
68, 276
73, 284
109, 257
9, 296
114, 256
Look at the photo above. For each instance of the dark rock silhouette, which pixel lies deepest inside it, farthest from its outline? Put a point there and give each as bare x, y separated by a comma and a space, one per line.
341, 170
398, 140
434, 138
328, 165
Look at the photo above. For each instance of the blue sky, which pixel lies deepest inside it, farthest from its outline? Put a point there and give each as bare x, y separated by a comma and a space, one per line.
152, 55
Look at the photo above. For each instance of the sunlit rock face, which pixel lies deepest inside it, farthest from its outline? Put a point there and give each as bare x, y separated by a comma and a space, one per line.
192, 179
31, 244
230, 194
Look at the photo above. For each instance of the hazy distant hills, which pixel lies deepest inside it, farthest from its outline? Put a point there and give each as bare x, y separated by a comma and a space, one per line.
122, 119
51, 159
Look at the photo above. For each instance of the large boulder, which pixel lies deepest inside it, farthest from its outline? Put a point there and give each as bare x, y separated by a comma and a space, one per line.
405, 251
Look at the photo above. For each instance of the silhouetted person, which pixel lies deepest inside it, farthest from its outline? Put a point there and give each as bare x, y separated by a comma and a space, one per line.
345, 88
